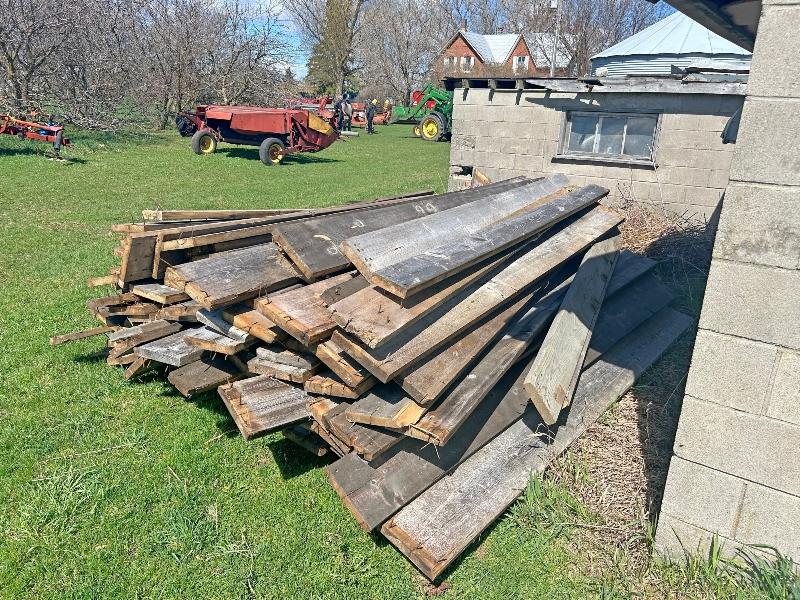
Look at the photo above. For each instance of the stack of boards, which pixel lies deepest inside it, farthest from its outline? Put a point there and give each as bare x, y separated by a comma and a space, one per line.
442, 347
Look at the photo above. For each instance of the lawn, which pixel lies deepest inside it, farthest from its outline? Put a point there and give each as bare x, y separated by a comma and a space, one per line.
117, 490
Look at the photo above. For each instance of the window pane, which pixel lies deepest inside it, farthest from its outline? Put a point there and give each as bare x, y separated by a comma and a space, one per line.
611, 129
639, 139
581, 133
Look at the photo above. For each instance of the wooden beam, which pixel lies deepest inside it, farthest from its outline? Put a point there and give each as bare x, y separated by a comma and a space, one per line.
346, 367
284, 372
437, 329
157, 292
79, 335
420, 271
248, 319
171, 350
554, 373
328, 384
214, 341
204, 375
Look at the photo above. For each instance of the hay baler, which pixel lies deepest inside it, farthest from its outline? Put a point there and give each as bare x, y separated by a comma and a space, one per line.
31, 130
276, 131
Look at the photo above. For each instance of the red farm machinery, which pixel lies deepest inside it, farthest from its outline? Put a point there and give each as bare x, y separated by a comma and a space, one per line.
32, 130
276, 131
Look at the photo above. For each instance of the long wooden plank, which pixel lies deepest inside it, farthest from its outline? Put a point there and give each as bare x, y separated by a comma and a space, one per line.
79, 335
272, 406
342, 290
346, 367
370, 442
328, 384
416, 273
284, 372
230, 277
157, 292
279, 354
432, 332
375, 491
385, 406
213, 341
439, 425
375, 316
313, 244
253, 322
204, 375
376, 250
125, 340
214, 319
436, 527
171, 350
300, 312
553, 376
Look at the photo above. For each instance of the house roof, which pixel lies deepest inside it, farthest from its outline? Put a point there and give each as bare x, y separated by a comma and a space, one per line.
491, 48
541, 47
675, 34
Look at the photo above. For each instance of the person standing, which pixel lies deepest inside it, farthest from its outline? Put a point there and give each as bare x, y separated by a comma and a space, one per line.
338, 112
371, 107
347, 109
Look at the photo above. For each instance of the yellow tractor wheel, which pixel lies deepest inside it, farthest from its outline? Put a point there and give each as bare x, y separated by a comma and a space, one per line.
271, 152
417, 131
431, 128
204, 142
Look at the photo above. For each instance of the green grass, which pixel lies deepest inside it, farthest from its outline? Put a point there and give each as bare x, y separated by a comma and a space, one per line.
116, 490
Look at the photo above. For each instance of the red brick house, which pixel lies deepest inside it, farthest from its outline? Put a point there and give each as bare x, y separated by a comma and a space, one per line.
482, 55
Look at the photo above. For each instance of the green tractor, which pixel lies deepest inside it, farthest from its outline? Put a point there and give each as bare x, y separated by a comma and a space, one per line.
431, 112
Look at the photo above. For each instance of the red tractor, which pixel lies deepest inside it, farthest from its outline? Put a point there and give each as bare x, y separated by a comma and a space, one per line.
31, 130
276, 131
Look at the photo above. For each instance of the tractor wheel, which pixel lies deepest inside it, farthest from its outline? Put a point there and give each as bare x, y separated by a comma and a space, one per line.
416, 130
271, 151
204, 142
432, 128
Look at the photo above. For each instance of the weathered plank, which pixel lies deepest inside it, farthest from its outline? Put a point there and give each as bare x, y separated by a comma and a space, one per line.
139, 366
253, 322
375, 316
185, 312
346, 367
342, 290
204, 375
436, 329
281, 355
306, 439
212, 214
94, 304
385, 406
368, 441
424, 269
263, 405
439, 425
263, 366
171, 350
213, 341
300, 312
328, 384
213, 319
554, 373
436, 527
313, 244
230, 277
125, 340
157, 292
376, 250
79, 335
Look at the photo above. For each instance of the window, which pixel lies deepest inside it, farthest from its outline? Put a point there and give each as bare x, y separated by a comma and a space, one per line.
520, 63
450, 62
467, 62
609, 135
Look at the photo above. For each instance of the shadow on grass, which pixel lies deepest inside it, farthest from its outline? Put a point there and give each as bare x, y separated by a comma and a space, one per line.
93, 357
292, 460
251, 153
42, 152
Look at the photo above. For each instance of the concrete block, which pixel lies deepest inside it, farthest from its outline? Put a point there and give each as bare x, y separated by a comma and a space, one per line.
488, 144
770, 517
464, 112
755, 302
719, 178
515, 145
770, 131
760, 225
699, 495
526, 163
644, 174
686, 176
675, 539
771, 74
699, 196
694, 140
784, 398
755, 448
731, 371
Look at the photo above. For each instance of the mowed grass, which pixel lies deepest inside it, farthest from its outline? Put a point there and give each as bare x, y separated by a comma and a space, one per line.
112, 489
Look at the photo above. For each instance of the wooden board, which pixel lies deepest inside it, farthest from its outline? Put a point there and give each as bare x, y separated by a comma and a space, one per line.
185, 312
432, 332
373, 492
370, 442
204, 375
125, 340
422, 270
139, 366
375, 317
79, 335
253, 322
262, 366
374, 251
306, 439
260, 405
281, 355
171, 350
436, 527
213, 341
554, 373
203, 215
313, 244
157, 292
300, 312
439, 425
328, 384
346, 367
342, 290
213, 319
230, 277
385, 406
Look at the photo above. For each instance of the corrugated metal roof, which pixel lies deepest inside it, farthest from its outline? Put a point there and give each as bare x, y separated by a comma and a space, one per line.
675, 34
659, 64
492, 48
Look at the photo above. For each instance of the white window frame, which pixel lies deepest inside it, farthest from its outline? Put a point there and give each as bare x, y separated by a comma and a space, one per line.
450, 62
565, 153
516, 66
467, 63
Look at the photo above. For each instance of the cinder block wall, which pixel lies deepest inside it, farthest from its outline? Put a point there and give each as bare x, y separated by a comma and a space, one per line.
736, 464
505, 136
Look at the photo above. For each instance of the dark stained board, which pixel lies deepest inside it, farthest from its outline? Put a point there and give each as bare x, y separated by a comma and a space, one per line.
204, 375
385, 406
367, 441
79, 335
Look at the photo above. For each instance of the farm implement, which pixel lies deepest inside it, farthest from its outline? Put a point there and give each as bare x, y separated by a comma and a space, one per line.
431, 112
31, 130
276, 131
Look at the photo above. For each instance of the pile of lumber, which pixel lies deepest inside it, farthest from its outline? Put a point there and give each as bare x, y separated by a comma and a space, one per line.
442, 347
